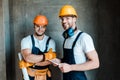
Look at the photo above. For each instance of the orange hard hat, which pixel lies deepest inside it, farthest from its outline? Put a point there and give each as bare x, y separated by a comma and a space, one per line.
40, 20
67, 10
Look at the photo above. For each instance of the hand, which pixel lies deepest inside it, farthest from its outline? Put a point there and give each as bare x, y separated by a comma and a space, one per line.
23, 64
64, 67
50, 55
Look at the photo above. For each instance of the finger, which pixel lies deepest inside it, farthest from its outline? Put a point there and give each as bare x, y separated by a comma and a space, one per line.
61, 68
60, 65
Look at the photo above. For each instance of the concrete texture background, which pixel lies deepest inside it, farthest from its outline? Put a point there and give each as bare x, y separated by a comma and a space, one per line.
99, 18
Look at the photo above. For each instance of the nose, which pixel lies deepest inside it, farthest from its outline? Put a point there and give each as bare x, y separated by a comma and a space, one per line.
40, 27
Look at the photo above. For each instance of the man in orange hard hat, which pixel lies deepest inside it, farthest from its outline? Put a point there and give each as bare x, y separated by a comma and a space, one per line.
35, 50
79, 53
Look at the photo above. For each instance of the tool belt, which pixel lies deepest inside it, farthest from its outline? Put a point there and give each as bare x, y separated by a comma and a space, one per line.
39, 74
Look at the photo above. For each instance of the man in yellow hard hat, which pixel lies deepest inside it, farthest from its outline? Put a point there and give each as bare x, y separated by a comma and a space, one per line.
79, 53
35, 50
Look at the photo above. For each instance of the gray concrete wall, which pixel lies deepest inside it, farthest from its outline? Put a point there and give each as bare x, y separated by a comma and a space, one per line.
23, 11
108, 39
99, 18
2, 42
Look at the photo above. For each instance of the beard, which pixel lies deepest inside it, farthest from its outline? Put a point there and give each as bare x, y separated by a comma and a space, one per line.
65, 26
39, 34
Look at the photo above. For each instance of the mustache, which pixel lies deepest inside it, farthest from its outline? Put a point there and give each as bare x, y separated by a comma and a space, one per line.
39, 34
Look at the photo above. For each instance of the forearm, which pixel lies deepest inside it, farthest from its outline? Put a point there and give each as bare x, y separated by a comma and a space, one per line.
43, 63
33, 58
85, 66
29, 57
91, 63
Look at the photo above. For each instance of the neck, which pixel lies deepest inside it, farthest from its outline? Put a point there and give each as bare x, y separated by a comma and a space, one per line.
75, 30
39, 37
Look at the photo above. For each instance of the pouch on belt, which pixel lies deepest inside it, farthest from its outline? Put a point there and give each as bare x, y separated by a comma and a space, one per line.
39, 74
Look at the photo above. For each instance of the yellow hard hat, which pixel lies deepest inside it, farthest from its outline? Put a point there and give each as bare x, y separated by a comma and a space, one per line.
67, 10
40, 20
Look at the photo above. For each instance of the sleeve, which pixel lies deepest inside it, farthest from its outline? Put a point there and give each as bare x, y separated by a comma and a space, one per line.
87, 43
26, 43
52, 45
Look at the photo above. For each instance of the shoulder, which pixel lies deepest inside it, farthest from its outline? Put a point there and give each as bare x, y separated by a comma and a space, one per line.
26, 42
85, 36
26, 39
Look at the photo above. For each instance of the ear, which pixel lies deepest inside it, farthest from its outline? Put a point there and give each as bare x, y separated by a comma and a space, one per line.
34, 26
